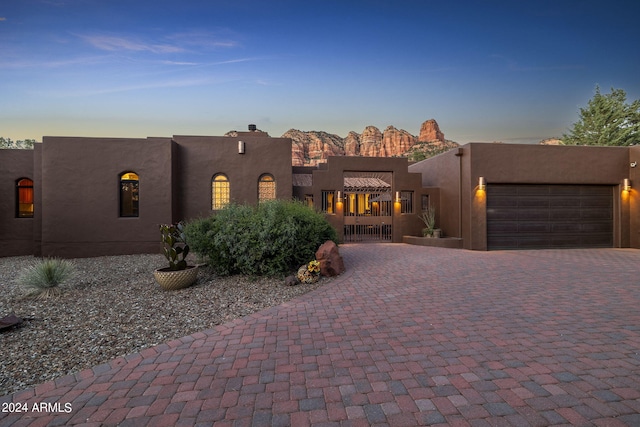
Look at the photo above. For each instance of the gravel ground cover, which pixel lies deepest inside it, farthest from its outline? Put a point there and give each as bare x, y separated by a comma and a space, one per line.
113, 307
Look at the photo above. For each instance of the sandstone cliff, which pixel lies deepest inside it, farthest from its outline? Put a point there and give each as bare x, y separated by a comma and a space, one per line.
311, 148
551, 141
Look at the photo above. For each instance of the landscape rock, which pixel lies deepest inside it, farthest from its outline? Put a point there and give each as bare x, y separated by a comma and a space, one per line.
331, 263
291, 280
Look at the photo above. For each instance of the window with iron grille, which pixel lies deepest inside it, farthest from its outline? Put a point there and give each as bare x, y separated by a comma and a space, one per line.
425, 202
219, 192
328, 202
129, 194
266, 188
406, 202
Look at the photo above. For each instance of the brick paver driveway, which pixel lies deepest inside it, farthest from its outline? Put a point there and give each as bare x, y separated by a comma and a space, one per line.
408, 336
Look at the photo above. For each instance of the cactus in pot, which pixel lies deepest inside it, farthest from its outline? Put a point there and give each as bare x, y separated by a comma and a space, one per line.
175, 248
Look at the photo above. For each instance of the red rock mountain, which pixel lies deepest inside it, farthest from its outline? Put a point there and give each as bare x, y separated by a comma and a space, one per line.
313, 147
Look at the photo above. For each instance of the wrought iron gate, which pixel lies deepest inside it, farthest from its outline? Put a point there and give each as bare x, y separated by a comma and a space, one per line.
368, 207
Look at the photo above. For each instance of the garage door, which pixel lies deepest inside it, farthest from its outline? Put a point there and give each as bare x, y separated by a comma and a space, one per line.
549, 216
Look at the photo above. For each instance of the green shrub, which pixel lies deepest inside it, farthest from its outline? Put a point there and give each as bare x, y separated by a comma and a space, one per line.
271, 239
42, 277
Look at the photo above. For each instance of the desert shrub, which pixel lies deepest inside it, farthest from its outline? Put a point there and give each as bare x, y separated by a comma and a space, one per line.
273, 238
42, 277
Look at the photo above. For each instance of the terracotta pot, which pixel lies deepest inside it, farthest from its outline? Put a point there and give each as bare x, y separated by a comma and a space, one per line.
176, 279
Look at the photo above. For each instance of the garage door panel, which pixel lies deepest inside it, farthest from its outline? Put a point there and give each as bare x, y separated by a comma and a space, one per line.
596, 202
533, 214
533, 202
596, 213
532, 190
566, 242
549, 216
564, 214
597, 227
505, 214
562, 202
505, 201
566, 228
502, 227
534, 227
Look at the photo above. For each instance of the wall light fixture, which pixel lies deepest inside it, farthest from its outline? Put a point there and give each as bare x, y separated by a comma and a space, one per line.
626, 184
482, 184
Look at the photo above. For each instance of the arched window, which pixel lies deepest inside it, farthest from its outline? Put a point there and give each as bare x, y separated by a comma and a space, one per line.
24, 198
266, 188
129, 194
219, 191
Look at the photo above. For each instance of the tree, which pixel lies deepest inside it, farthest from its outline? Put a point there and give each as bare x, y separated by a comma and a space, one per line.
20, 144
607, 120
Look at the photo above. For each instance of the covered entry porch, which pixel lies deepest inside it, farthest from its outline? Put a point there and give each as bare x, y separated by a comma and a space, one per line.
366, 199
368, 207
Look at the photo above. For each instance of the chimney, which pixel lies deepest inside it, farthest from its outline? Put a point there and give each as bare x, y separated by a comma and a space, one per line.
252, 128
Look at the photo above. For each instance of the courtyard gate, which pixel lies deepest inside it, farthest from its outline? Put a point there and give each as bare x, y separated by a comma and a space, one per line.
368, 207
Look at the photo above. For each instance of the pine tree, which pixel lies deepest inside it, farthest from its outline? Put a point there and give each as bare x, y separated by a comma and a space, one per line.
607, 120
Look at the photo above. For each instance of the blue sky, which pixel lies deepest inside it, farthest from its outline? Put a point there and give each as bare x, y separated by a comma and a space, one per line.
485, 70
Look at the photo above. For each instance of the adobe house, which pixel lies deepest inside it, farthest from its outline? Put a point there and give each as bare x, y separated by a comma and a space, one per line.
107, 196
512, 196
80, 197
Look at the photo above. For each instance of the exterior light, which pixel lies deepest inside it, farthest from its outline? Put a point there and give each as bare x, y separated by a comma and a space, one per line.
340, 196
240, 147
398, 198
626, 184
482, 184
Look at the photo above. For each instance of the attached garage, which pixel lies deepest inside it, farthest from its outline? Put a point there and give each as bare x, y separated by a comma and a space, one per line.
532, 216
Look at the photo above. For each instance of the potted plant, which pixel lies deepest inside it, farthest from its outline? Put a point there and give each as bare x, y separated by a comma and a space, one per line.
428, 217
178, 274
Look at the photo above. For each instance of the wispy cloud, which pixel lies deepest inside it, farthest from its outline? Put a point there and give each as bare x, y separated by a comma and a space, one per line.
54, 63
115, 44
179, 63
192, 42
2, 18
203, 39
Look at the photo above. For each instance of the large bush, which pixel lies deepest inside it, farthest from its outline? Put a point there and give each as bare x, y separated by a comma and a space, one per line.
273, 238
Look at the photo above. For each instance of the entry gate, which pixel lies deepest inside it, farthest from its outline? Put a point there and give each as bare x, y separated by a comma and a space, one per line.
368, 207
